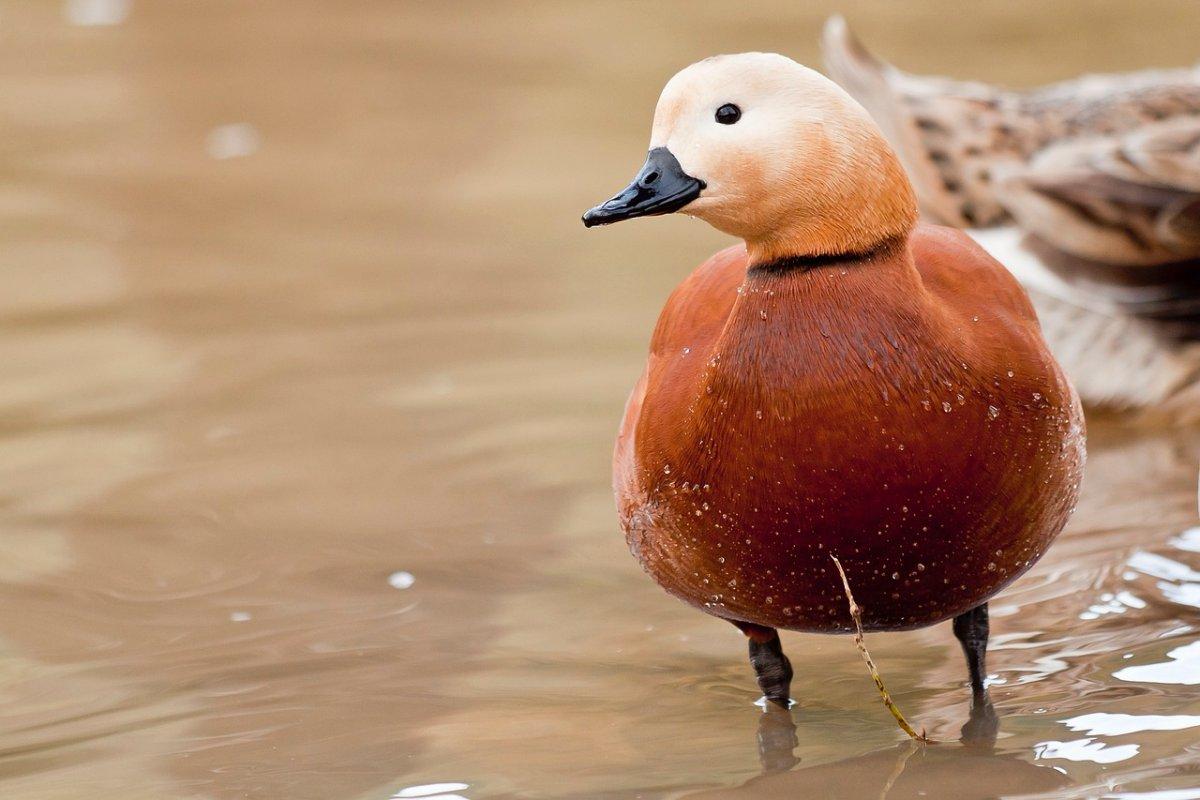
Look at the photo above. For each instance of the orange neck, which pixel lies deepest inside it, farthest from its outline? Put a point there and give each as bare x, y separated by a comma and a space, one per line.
856, 209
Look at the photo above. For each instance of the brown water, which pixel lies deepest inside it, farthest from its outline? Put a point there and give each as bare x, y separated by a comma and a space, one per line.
310, 380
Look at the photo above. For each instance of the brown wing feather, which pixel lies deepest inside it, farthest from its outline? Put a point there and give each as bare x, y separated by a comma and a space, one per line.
941, 129
954, 136
1132, 199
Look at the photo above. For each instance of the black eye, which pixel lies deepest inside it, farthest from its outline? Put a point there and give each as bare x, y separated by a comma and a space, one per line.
728, 114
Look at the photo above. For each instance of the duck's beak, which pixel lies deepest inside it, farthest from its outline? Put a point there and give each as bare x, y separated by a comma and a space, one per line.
660, 188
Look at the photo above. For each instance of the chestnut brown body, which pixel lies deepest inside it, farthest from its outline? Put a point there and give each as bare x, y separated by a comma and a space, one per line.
899, 411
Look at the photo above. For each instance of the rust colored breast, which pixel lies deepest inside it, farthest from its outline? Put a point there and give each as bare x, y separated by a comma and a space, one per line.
900, 412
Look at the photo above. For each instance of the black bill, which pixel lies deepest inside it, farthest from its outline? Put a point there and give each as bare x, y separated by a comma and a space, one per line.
660, 188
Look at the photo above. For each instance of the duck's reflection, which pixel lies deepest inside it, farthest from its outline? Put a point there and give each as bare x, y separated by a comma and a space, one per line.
983, 724
900, 773
777, 739
970, 770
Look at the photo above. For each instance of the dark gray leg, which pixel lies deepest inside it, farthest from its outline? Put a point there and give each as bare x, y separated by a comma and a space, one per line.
771, 666
971, 630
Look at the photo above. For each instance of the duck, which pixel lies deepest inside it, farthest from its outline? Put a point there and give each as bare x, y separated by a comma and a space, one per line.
1088, 190
844, 382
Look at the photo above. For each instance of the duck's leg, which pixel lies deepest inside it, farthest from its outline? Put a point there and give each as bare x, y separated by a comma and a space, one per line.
971, 630
771, 666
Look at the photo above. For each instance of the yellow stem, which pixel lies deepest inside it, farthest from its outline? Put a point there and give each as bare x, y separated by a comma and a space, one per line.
856, 614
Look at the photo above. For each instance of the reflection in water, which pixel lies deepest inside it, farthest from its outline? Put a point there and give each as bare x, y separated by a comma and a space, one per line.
903, 772
1111, 603
309, 392
1183, 668
433, 791
1162, 567
401, 580
1189, 540
1104, 724
777, 739
980, 730
1085, 750
96, 12
235, 140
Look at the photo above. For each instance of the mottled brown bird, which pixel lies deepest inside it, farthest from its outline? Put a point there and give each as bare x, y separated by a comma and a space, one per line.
845, 383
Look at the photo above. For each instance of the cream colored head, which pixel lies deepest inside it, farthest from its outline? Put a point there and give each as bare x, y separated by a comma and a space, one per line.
802, 171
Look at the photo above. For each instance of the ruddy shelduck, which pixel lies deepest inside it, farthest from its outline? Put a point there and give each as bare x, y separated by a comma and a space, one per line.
844, 383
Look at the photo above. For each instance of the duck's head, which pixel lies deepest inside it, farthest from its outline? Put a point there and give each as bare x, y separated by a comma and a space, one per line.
768, 150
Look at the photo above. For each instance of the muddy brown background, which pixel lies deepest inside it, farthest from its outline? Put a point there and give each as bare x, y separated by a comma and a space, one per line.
295, 301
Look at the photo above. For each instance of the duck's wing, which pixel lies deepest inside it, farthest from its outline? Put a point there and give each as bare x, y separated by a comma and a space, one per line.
1128, 199
1116, 220
954, 136
1106, 237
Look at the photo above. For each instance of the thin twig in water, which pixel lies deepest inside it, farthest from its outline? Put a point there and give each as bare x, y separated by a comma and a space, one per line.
856, 614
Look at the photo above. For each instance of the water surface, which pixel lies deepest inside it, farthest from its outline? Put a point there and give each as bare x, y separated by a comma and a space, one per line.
311, 376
